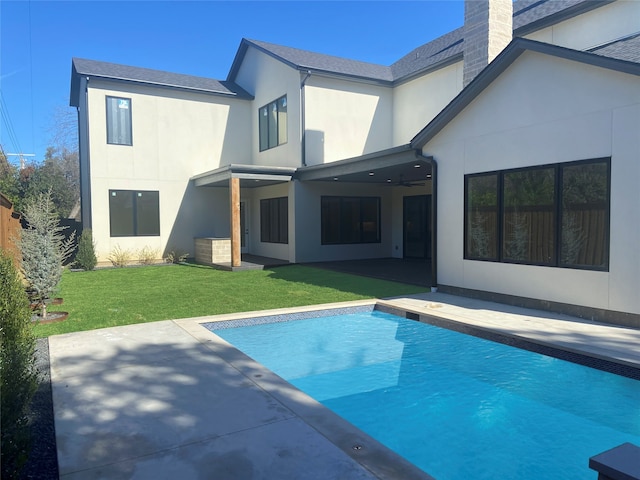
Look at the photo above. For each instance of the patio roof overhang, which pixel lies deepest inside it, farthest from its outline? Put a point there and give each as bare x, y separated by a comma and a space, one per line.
401, 165
250, 176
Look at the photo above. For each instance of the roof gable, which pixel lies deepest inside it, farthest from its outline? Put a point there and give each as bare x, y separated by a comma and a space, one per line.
318, 63
112, 71
499, 65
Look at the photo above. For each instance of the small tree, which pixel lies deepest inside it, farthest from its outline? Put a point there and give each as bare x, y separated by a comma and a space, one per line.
86, 254
18, 377
44, 248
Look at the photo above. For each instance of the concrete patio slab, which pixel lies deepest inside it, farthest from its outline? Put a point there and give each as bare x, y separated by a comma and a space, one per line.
173, 400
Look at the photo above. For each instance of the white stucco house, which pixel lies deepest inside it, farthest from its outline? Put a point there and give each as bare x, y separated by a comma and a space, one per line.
505, 153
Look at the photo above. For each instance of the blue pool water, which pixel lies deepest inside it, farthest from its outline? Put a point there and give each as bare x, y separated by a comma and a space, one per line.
457, 406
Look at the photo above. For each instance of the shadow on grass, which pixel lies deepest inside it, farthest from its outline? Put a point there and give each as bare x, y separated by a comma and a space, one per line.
365, 285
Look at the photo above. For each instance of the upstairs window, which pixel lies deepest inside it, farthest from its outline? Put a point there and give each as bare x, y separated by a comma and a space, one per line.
272, 119
119, 121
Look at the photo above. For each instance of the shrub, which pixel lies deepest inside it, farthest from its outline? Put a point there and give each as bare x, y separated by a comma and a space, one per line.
119, 257
86, 255
44, 248
18, 377
148, 255
176, 257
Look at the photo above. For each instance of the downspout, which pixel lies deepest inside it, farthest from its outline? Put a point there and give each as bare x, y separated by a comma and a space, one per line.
434, 221
303, 133
83, 157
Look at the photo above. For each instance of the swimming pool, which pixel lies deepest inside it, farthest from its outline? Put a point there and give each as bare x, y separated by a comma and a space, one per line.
457, 406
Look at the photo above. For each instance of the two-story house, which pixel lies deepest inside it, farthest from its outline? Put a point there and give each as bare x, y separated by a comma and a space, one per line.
506, 153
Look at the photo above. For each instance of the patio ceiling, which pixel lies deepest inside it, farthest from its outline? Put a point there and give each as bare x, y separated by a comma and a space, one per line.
396, 166
251, 176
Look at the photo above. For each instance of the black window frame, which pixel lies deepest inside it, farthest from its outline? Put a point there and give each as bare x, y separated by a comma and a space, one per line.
143, 219
274, 132
114, 137
274, 220
559, 231
342, 232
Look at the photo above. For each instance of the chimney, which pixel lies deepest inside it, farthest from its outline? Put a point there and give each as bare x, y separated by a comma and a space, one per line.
488, 28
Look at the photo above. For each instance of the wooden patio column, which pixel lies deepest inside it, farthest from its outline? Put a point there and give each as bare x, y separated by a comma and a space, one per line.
234, 200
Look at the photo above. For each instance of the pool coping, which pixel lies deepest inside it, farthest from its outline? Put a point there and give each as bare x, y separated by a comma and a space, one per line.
364, 449
562, 352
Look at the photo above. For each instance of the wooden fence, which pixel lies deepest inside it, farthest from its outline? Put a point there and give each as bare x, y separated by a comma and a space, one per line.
10, 227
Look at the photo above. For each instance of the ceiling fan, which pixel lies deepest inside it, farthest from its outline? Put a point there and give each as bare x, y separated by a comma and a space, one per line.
403, 183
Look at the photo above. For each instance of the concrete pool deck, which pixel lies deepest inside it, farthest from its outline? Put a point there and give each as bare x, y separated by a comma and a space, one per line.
170, 399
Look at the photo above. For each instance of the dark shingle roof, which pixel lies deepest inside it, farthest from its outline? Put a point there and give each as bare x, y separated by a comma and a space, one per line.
114, 71
445, 48
627, 48
528, 15
319, 62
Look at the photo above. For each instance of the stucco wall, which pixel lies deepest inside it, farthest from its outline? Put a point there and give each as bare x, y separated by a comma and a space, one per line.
593, 28
346, 119
545, 110
175, 136
269, 79
417, 102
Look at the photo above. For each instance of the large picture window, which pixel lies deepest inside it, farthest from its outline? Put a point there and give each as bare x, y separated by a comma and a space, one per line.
134, 213
274, 220
119, 121
272, 120
555, 215
347, 220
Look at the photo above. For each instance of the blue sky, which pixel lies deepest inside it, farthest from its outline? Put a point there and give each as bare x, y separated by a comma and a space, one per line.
39, 38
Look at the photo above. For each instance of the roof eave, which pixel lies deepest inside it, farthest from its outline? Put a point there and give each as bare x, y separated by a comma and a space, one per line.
183, 88
565, 14
345, 76
431, 68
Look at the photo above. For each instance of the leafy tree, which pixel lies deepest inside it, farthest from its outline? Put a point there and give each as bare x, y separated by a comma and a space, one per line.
9, 184
44, 248
59, 173
18, 377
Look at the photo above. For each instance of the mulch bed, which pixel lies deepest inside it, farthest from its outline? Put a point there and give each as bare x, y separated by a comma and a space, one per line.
43, 458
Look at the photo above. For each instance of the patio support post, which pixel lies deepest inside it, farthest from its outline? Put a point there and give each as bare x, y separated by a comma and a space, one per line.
234, 200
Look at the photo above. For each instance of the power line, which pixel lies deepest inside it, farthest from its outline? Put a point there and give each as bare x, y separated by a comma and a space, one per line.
21, 157
4, 112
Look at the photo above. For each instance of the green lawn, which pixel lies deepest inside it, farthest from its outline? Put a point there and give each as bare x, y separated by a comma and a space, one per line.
110, 297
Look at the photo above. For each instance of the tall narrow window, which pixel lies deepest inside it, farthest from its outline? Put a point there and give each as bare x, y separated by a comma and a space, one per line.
528, 216
347, 220
274, 220
119, 121
134, 213
585, 219
272, 124
481, 240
